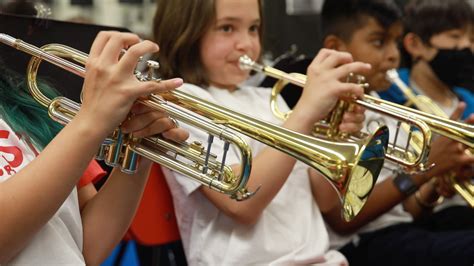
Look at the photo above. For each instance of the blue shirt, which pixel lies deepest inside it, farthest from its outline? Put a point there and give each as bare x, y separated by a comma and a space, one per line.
394, 94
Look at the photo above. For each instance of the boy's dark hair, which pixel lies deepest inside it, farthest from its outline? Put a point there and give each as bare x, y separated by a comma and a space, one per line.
343, 17
426, 18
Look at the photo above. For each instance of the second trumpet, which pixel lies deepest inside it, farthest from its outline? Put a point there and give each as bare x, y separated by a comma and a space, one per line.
400, 154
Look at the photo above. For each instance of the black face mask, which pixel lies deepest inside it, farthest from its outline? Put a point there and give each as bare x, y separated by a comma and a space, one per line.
455, 67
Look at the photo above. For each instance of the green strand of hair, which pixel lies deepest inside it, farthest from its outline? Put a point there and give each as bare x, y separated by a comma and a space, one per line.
24, 115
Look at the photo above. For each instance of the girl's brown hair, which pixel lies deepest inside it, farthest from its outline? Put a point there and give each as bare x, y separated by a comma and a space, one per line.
178, 28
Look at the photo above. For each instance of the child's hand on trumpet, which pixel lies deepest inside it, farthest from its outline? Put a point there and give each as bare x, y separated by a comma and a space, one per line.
111, 88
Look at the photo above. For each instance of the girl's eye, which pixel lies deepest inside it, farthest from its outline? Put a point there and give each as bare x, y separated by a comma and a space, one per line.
455, 36
226, 28
254, 28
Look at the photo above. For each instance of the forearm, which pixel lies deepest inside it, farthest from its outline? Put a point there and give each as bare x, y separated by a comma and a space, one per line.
422, 202
270, 170
108, 215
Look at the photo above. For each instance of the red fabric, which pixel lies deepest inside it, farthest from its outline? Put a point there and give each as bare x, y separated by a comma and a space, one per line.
155, 221
92, 174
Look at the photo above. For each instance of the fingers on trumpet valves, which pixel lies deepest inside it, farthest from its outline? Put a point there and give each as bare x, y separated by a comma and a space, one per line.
174, 122
176, 134
145, 121
444, 184
154, 123
130, 59
353, 119
159, 86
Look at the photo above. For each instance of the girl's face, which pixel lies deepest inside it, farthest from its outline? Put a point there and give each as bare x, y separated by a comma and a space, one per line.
234, 33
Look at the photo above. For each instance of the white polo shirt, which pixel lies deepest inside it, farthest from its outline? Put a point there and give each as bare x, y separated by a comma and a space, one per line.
290, 230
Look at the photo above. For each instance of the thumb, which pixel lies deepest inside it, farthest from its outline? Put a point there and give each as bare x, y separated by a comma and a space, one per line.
456, 115
470, 119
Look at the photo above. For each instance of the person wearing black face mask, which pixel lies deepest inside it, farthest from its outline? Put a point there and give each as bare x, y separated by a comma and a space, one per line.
438, 53
438, 48
454, 67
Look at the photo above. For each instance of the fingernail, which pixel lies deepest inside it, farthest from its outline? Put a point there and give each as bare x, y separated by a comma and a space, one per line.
178, 81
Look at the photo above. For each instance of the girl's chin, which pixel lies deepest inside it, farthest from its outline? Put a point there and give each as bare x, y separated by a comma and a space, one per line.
232, 77
238, 78
229, 83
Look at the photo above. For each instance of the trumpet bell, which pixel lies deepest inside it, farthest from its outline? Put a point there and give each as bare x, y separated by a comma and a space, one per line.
364, 174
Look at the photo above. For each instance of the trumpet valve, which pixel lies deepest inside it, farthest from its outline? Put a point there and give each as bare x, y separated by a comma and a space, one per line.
358, 79
102, 152
129, 161
112, 156
153, 66
197, 146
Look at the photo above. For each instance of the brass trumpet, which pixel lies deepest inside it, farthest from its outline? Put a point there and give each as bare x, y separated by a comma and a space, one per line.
425, 104
121, 150
351, 167
399, 155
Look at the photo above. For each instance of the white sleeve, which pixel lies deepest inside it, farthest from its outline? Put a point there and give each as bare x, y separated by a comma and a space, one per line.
282, 104
15, 153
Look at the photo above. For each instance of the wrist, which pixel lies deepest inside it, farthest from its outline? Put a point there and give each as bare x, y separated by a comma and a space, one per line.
88, 126
404, 183
430, 199
421, 178
300, 121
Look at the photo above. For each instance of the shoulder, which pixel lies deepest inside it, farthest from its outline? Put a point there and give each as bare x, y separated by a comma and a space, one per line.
260, 91
196, 91
191, 88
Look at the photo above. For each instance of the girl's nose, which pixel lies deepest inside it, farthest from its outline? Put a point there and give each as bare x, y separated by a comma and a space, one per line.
244, 42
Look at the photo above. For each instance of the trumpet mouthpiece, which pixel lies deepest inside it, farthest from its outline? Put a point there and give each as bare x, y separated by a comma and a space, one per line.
392, 74
246, 63
7, 39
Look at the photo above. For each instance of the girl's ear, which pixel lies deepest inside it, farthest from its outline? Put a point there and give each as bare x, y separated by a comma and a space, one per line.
335, 43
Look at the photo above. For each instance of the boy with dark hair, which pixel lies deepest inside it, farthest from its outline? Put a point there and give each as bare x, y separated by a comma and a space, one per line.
369, 30
384, 233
